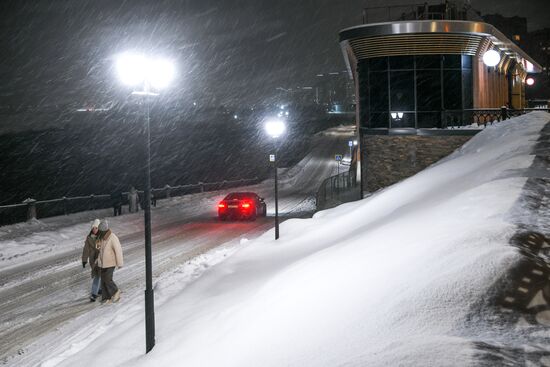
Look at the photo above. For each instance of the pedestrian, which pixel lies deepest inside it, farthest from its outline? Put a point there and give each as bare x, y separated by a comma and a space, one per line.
153, 199
110, 257
116, 200
133, 200
90, 253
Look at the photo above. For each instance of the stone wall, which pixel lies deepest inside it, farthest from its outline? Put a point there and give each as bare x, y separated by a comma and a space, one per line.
390, 159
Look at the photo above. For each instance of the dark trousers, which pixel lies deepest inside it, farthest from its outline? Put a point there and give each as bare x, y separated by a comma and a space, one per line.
117, 209
108, 287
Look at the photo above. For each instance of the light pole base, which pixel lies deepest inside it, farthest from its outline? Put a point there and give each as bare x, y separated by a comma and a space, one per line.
149, 320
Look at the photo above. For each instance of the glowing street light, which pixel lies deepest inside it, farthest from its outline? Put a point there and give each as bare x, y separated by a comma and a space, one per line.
147, 76
530, 81
275, 128
136, 70
491, 58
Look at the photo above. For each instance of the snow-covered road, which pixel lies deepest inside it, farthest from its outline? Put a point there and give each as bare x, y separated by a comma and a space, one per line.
44, 288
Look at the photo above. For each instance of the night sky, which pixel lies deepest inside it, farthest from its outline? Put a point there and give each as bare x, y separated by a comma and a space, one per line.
230, 52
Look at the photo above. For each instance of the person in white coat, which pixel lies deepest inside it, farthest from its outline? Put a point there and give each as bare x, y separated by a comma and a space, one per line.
110, 257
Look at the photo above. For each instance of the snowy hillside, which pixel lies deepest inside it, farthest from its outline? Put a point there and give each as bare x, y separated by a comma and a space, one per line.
391, 280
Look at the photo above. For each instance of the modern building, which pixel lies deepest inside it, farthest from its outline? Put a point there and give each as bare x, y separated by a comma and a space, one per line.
418, 79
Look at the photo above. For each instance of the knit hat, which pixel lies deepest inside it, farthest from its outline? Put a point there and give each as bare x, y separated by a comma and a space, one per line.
103, 225
95, 223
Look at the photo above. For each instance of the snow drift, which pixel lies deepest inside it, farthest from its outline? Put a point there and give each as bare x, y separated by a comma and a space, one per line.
386, 281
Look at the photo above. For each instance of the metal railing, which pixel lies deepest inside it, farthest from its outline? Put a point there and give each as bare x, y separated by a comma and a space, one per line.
32, 209
337, 189
461, 118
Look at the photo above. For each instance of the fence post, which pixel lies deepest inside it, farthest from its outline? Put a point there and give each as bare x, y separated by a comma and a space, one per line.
92, 204
167, 189
201, 184
65, 202
31, 208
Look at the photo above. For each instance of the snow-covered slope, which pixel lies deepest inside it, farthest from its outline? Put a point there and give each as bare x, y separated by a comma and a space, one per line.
390, 280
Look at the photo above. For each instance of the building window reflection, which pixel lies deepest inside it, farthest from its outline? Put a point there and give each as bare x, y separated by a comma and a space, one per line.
413, 91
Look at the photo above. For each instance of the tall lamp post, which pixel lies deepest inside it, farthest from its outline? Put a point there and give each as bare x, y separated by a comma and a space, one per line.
275, 128
146, 76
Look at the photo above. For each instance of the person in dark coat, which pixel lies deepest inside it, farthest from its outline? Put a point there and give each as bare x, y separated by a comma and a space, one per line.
90, 253
153, 199
116, 200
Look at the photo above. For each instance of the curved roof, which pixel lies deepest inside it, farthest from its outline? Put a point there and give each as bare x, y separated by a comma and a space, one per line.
423, 37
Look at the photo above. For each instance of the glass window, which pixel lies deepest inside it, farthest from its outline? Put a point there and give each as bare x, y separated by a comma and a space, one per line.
428, 120
428, 62
401, 119
378, 91
428, 90
467, 84
466, 61
402, 90
363, 96
451, 61
378, 120
452, 89
401, 62
378, 64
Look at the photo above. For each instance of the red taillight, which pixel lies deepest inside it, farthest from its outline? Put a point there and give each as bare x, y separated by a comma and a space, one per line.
221, 205
245, 205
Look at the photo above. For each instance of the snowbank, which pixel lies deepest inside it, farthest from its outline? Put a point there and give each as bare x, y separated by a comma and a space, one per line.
386, 281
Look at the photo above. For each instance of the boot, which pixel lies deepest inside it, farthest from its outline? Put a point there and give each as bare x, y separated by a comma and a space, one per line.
116, 296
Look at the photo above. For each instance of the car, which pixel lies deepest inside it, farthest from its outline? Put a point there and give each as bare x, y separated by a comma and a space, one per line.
242, 205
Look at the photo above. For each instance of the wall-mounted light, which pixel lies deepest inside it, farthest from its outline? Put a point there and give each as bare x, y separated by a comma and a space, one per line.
529, 81
491, 58
397, 115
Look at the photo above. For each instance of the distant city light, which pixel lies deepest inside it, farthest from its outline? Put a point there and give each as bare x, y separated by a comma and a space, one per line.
491, 58
530, 81
235, 117
355, 142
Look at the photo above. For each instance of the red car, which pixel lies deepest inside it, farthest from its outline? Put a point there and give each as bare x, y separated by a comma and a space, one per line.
242, 205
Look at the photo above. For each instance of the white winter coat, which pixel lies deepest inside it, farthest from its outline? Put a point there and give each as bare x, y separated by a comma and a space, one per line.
110, 251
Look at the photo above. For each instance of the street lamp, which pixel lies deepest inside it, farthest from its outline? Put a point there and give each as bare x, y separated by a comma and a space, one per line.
275, 128
146, 76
